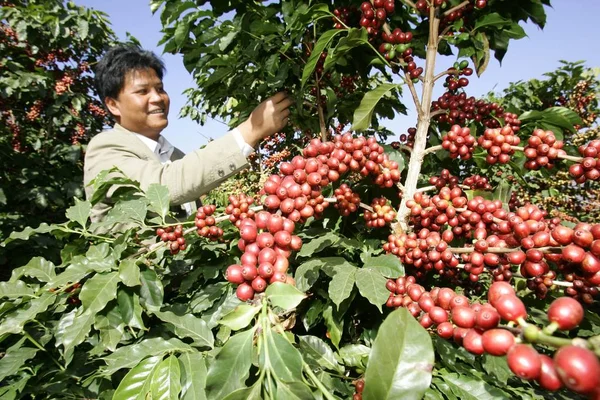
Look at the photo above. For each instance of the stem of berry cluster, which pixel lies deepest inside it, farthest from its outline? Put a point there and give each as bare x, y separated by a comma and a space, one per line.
561, 156
418, 151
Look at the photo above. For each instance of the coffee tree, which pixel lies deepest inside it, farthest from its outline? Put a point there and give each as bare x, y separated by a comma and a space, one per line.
48, 110
358, 269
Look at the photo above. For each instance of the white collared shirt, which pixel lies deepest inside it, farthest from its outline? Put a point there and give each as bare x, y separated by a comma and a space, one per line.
164, 150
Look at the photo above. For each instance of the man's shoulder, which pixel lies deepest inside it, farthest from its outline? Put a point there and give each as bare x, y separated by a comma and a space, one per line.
110, 136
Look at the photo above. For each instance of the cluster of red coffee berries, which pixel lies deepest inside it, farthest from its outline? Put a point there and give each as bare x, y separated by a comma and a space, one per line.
463, 109
347, 200
63, 84
359, 387
239, 208
267, 241
383, 213
96, 110
459, 142
206, 223
498, 143
78, 134
374, 15
476, 182
589, 167
542, 149
444, 179
343, 16
174, 236
475, 327
35, 111
407, 139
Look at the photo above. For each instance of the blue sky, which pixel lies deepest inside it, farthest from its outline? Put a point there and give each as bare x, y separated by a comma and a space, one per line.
571, 34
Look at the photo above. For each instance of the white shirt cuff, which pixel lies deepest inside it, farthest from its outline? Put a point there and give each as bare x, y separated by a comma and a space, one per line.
244, 147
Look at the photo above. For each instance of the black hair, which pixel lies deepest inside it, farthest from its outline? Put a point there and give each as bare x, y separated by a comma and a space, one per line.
112, 69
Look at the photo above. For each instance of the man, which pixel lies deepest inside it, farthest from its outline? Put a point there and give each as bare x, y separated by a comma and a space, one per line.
129, 82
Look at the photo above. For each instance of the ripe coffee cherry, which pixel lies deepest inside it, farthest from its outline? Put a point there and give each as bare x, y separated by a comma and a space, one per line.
259, 284
578, 368
497, 342
445, 330
510, 308
566, 312
499, 289
463, 316
265, 270
473, 342
249, 272
244, 292
524, 361
234, 274
487, 318
549, 378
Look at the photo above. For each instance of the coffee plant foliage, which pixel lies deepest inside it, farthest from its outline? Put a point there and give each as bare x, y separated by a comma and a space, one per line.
345, 267
48, 108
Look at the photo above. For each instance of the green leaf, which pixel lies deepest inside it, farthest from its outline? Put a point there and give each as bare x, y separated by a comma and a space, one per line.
280, 356
16, 320
371, 285
364, 112
124, 211
317, 350
307, 274
14, 358
334, 323
14, 290
294, 391
37, 267
342, 284
80, 212
468, 388
254, 392
111, 328
401, 359
231, 366
284, 296
321, 45
492, 19
318, 244
129, 356
98, 291
151, 291
158, 198
388, 265
83, 28
355, 355
240, 317
139, 376
193, 376
130, 309
129, 272
189, 326
498, 367
166, 383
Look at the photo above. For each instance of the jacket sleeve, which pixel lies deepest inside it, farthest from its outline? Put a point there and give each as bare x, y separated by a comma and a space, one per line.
187, 178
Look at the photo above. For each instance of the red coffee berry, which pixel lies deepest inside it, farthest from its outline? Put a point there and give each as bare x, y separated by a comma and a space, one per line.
549, 378
244, 292
566, 312
578, 368
233, 274
497, 342
524, 361
510, 308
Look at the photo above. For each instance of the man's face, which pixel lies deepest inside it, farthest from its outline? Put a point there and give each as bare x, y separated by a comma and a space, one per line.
142, 105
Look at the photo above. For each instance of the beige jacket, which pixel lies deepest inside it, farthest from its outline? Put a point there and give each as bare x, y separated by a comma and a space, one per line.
187, 176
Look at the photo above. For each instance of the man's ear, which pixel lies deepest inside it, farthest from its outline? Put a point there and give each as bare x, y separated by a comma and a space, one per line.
113, 106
